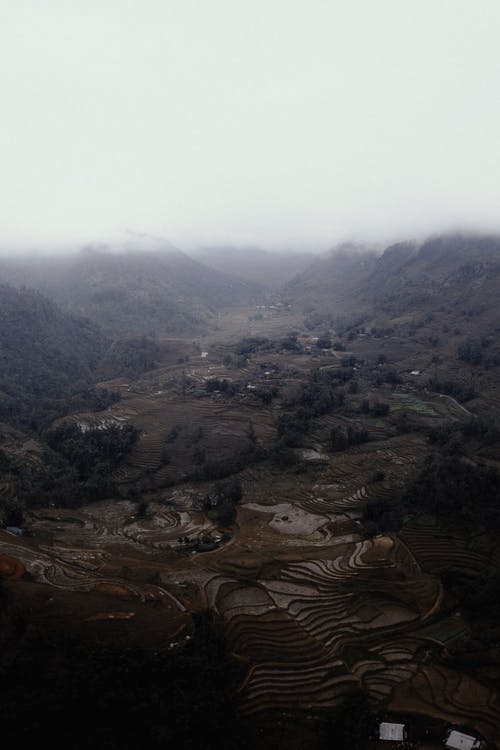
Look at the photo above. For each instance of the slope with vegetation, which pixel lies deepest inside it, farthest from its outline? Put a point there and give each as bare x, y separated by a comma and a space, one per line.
46, 355
452, 277
133, 291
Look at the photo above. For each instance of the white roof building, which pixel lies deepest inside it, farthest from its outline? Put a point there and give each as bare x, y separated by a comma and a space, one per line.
392, 732
461, 741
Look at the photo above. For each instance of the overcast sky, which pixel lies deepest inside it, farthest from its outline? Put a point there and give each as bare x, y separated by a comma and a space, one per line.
272, 122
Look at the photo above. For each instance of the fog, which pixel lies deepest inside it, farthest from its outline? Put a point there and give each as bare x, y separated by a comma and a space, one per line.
280, 124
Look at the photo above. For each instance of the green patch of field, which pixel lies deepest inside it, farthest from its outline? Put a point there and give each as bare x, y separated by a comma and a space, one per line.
413, 404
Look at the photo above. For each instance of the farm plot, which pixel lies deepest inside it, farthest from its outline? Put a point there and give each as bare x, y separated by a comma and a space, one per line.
457, 698
293, 628
406, 402
108, 524
438, 550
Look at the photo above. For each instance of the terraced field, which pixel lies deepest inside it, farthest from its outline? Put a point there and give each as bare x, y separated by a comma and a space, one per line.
174, 427
444, 693
438, 549
298, 630
311, 609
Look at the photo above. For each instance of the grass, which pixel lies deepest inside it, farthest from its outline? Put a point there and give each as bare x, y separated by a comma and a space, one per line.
413, 404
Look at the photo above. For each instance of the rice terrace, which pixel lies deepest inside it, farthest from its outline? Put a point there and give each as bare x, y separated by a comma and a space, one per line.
278, 487
250, 375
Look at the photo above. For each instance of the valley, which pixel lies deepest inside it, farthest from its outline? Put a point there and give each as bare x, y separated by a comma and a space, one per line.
262, 445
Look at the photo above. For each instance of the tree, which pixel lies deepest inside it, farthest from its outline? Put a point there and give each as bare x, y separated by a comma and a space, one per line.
14, 513
381, 409
392, 377
365, 406
290, 343
471, 351
199, 456
324, 341
229, 489
351, 725
142, 508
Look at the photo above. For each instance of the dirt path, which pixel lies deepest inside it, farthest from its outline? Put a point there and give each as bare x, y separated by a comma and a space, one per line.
459, 406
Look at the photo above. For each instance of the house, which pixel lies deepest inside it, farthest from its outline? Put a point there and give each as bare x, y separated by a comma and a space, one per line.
392, 732
460, 741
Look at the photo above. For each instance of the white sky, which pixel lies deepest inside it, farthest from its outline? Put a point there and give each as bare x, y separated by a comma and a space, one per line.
275, 122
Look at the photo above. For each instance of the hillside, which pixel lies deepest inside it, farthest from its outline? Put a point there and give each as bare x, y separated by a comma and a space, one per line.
446, 276
330, 282
132, 291
451, 270
45, 354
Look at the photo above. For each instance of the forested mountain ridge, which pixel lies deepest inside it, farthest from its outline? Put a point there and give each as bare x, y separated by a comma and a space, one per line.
444, 270
133, 291
458, 274
333, 277
45, 354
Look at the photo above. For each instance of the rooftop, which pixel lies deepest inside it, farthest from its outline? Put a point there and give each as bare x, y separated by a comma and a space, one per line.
461, 741
392, 732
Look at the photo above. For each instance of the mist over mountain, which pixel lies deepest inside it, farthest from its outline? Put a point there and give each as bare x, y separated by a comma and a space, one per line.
333, 277
132, 291
154, 289
270, 269
250, 375
456, 269
453, 272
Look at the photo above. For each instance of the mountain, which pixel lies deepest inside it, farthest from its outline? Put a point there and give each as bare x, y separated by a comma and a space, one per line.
133, 291
45, 354
449, 275
271, 270
444, 272
328, 287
